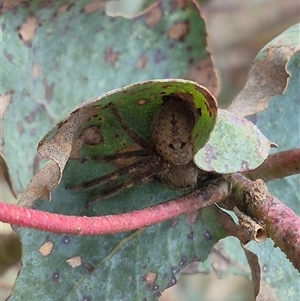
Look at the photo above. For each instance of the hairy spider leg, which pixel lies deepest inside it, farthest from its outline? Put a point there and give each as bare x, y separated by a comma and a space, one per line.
148, 164
143, 143
138, 177
126, 154
128, 169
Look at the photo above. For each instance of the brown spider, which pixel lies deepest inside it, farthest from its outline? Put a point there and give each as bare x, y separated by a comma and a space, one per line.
169, 158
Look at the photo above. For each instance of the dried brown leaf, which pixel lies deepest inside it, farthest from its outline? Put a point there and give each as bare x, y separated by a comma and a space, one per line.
268, 75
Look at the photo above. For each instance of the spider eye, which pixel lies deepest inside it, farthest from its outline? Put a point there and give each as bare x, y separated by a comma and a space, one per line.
171, 146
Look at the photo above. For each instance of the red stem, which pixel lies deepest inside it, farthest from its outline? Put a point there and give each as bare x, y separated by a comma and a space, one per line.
110, 224
282, 225
276, 166
280, 222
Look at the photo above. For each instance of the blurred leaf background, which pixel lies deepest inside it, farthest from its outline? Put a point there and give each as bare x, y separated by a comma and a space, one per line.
237, 30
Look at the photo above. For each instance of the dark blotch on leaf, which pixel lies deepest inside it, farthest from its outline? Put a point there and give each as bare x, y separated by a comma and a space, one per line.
157, 294
89, 267
66, 240
159, 56
55, 276
190, 235
86, 298
182, 261
207, 235
142, 278
91, 135
48, 90
191, 61
172, 282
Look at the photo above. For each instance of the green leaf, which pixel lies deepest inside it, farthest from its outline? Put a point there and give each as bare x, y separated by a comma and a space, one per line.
58, 54
74, 51
113, 124
235, 145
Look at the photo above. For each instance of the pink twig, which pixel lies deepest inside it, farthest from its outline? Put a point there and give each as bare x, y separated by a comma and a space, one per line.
109, 224
277, 166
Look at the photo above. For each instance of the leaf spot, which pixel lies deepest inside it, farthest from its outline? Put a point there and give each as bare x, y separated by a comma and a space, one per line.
89, 267
151, 278
207, 235
55, 276
182, 261
111, 56
142, 62
74, 262
20, 127
46, 248
94, 5
64, 8
154, 15
86, 298
175, 4
159, 56
48, 90
191, 235
142, 102
142, 278
5, 101
27, 30
91, 135
31, 117
66, 240
35, 71
179, 30
203, 72
172, 282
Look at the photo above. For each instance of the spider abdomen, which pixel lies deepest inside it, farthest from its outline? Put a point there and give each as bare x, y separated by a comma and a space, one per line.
172, 131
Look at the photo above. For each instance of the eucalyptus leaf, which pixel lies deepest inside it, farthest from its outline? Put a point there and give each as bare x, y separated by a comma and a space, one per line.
58, 54
235, 145
112, 123
269, 75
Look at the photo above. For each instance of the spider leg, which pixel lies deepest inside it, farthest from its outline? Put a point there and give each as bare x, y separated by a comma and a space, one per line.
111, 191
138, 177
115, 174
127, 154
128, 130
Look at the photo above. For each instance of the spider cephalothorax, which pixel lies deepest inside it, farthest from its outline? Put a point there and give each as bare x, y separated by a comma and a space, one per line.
168, 157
